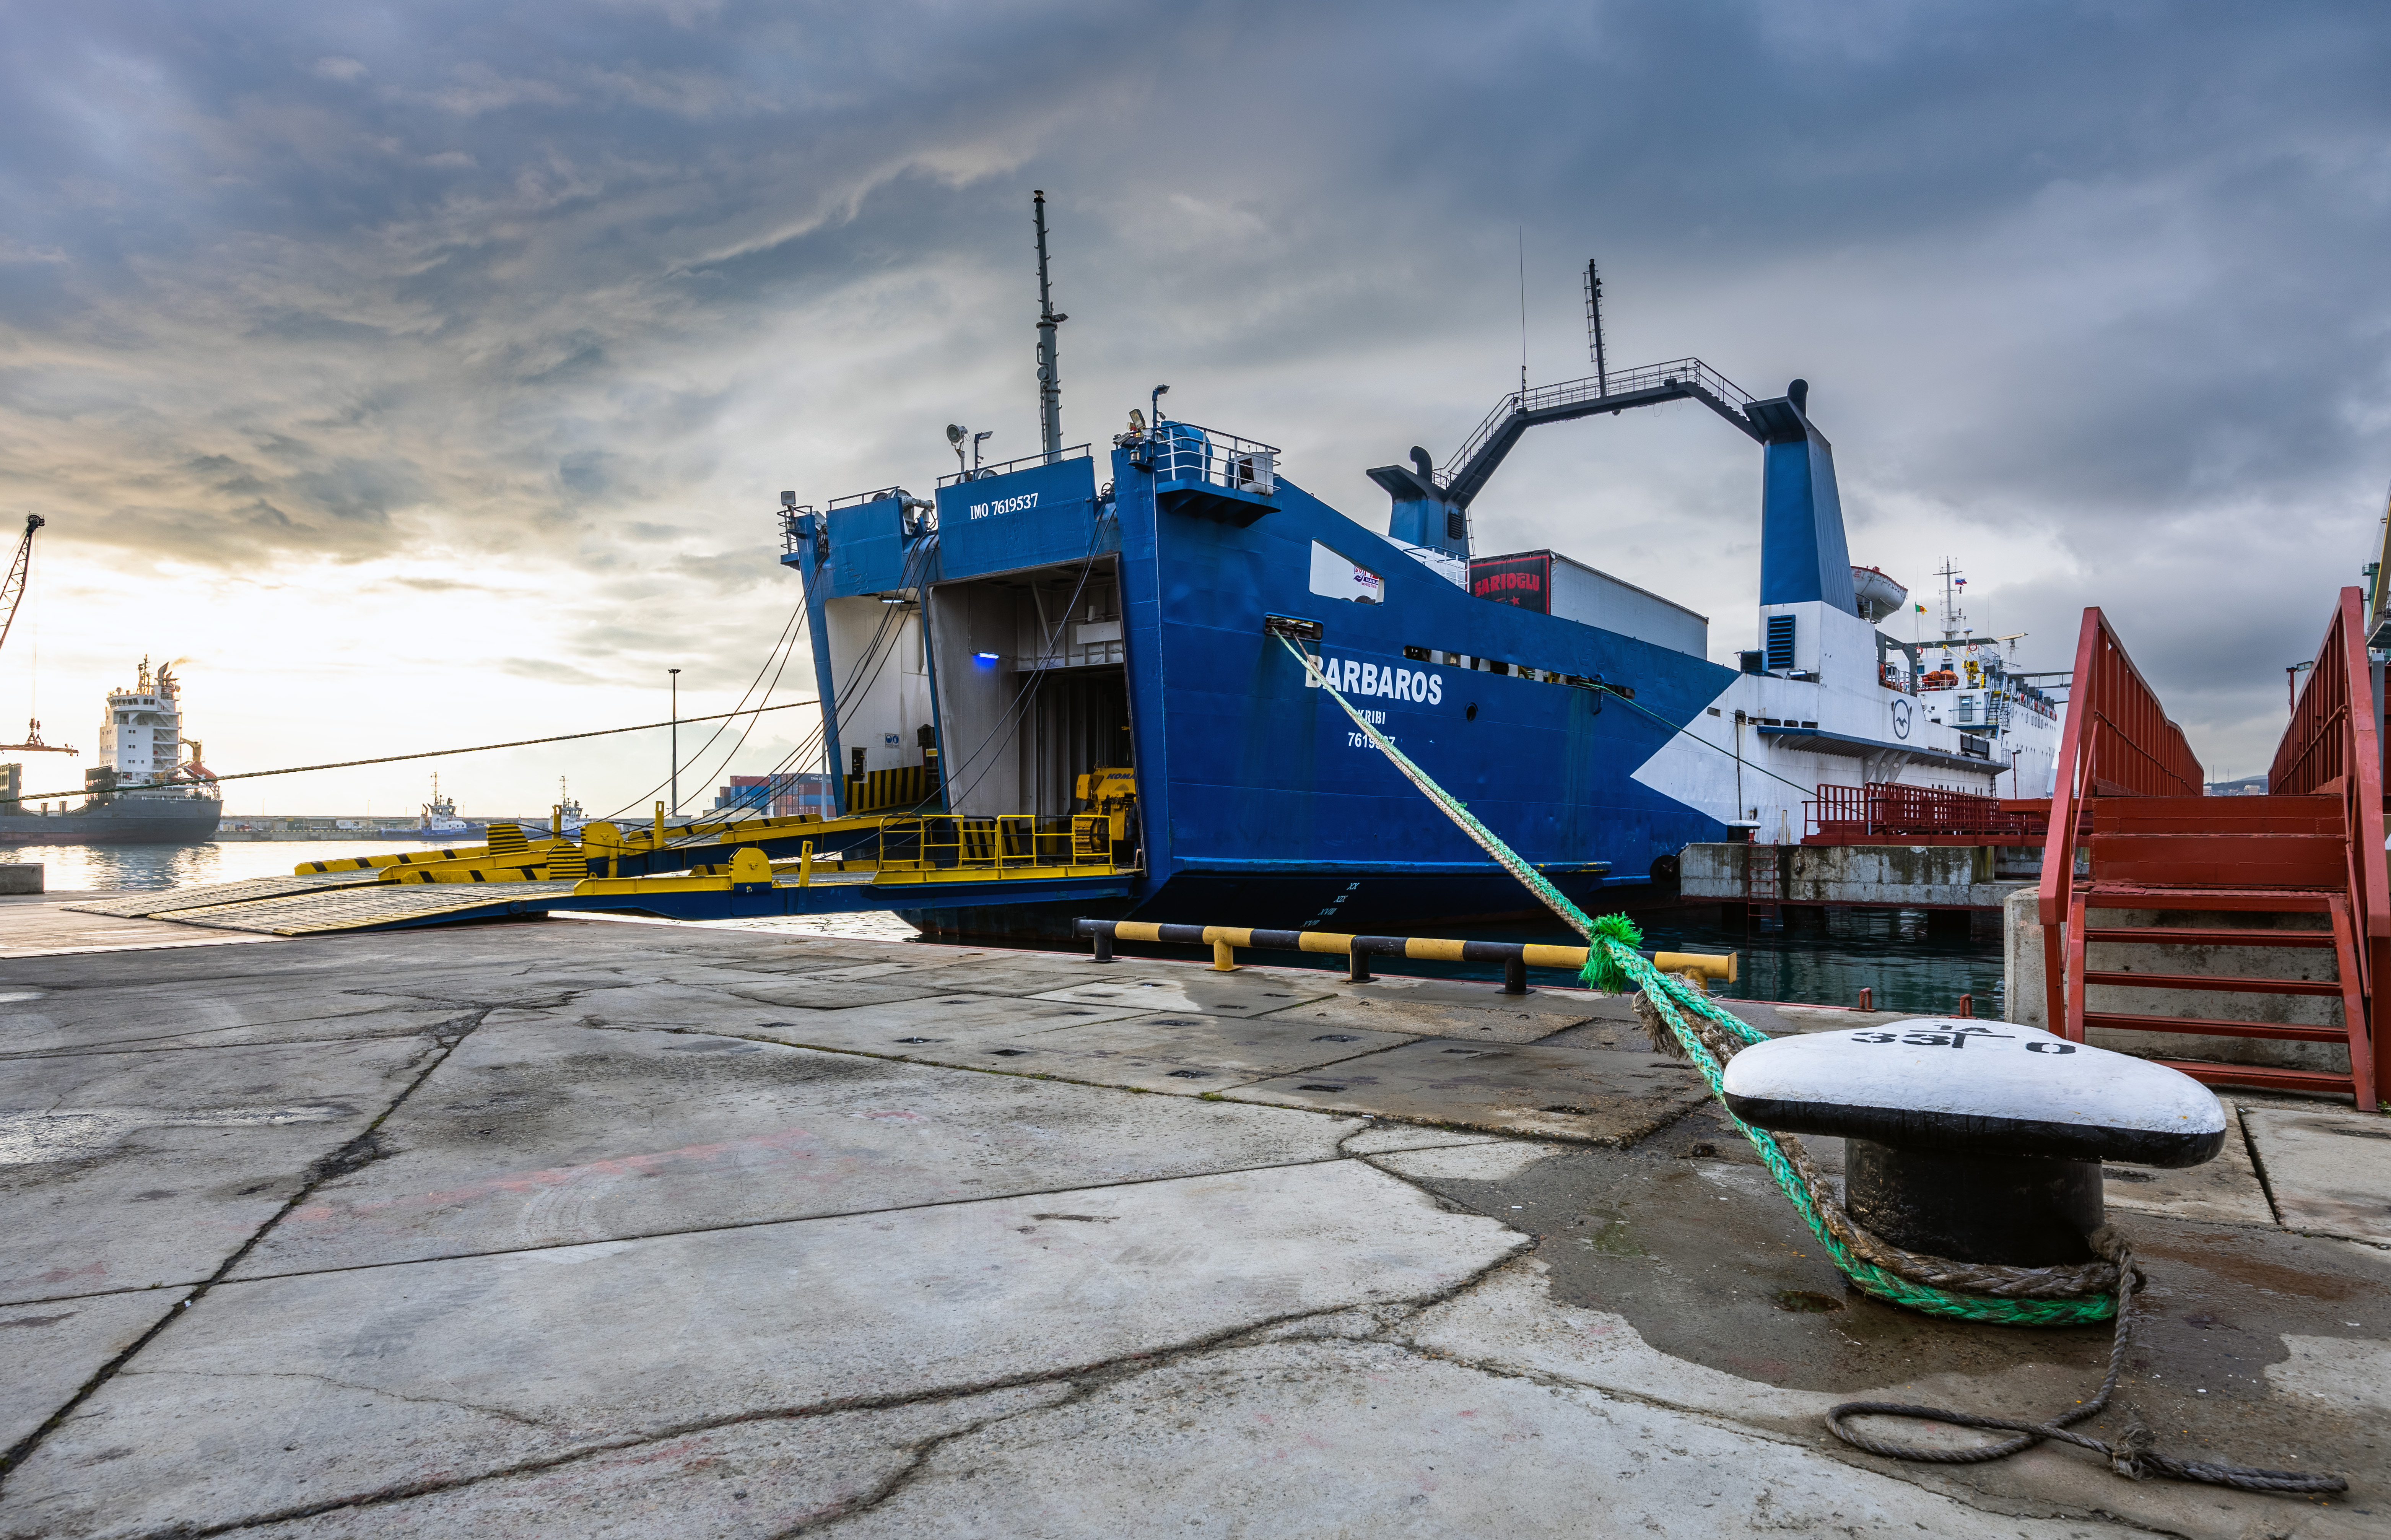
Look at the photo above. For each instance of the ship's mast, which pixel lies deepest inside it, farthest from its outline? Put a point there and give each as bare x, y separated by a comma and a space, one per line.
1050, 379
1955, 620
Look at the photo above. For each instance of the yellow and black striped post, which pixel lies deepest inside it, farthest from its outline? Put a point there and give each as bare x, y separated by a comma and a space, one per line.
1516, 957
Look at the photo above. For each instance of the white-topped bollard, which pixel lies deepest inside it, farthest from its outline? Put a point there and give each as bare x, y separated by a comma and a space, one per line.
1980, 1141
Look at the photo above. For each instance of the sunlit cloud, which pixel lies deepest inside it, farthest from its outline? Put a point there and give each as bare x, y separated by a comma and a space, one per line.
429, 373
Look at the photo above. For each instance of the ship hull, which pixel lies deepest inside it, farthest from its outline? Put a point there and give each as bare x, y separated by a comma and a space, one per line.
127, 821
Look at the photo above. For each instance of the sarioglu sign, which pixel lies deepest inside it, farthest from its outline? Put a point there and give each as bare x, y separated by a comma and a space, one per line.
1526, 581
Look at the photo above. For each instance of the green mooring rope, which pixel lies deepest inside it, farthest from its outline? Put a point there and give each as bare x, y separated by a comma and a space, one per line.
1614, 964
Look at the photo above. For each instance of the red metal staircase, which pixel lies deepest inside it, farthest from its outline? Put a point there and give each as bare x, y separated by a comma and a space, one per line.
2128, 798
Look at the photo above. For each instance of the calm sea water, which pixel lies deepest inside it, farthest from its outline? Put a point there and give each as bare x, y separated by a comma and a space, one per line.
1889, 951
137, 868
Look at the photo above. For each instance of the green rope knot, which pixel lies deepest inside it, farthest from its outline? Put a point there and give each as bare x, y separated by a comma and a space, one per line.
1603, 971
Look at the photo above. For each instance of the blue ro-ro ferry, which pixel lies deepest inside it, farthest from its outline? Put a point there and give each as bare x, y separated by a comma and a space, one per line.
1036, 624
1000, 648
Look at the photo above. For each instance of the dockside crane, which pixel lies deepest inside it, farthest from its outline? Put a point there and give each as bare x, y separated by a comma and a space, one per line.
12, 594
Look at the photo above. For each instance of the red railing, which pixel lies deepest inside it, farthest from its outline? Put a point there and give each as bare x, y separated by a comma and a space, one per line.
2118, 742
2330, 747
1882, 809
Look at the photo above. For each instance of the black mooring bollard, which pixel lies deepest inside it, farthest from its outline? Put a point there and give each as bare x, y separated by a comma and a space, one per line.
1978, 1140
1515, 975
1357, 961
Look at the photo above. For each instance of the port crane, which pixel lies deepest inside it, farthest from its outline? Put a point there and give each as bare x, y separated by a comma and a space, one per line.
12, 594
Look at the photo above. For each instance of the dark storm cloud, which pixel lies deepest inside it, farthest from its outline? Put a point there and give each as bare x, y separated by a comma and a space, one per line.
2091, 294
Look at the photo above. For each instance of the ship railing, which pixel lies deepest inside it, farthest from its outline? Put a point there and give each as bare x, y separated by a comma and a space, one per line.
1185, 454
792, 535
2118, 742
1884, 811
945, 847
1690, 373
2331, 747
1006, 467
855, 499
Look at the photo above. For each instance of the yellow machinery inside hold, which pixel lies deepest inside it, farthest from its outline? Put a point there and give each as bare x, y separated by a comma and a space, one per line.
1112, 793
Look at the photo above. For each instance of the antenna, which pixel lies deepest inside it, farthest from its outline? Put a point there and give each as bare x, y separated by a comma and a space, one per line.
1050, 379
1594, 327
1955, 620
1523, 311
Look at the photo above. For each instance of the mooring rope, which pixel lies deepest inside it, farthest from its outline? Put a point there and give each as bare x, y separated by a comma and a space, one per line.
1705, 1036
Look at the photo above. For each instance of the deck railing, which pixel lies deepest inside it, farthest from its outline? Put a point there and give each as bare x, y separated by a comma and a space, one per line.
2331, 747
1674, 373
1884, 810
2118, 742
1183, 453
1007, 844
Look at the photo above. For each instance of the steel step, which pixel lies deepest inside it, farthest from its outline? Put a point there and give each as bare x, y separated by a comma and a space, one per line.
2274, 900
2222, 983
2208, 1072
2225, 860
2207, 1027
2172, 936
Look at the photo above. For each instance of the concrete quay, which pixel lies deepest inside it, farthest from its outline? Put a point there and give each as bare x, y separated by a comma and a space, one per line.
1874, 876
617, 1229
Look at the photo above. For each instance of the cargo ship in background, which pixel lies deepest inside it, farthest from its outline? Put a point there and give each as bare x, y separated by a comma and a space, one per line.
1146, 637
150, 788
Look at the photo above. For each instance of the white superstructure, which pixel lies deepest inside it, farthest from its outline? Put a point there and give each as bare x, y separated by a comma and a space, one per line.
141, 738
1830, 699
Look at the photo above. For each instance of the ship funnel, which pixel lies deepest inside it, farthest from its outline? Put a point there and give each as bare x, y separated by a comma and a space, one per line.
1802, 553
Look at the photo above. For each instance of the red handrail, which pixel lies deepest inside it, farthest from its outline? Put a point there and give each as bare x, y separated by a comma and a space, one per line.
2118, 742
2330, 747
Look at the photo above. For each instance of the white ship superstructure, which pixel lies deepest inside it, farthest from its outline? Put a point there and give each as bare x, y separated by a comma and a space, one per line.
1830, 699
141, 738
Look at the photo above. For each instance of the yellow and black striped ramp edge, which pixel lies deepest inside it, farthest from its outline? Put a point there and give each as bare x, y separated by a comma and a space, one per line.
366, 908
141, 906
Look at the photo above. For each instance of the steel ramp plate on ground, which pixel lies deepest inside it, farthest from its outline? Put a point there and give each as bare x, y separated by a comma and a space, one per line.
367, 908
141, 906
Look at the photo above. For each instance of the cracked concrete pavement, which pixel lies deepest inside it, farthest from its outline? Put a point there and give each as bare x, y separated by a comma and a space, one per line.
624, 1230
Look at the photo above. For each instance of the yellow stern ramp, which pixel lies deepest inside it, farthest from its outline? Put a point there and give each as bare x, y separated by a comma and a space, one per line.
514, 874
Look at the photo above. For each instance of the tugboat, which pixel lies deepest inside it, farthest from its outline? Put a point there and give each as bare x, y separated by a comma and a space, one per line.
439, 820
147, 790
1148, 636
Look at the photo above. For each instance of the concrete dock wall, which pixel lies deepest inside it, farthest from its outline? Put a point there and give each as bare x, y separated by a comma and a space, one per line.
2024, 968
1929, 876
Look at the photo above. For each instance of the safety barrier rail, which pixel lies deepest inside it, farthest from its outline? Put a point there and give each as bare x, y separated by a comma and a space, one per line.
1006, 467
1691, 372
1184, 452
2330, 747
855, 499
1516, 957
2118, 742
1883, 809
938, 847
794, 533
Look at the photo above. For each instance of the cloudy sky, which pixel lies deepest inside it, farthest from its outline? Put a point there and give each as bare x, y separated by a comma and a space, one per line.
428, 374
